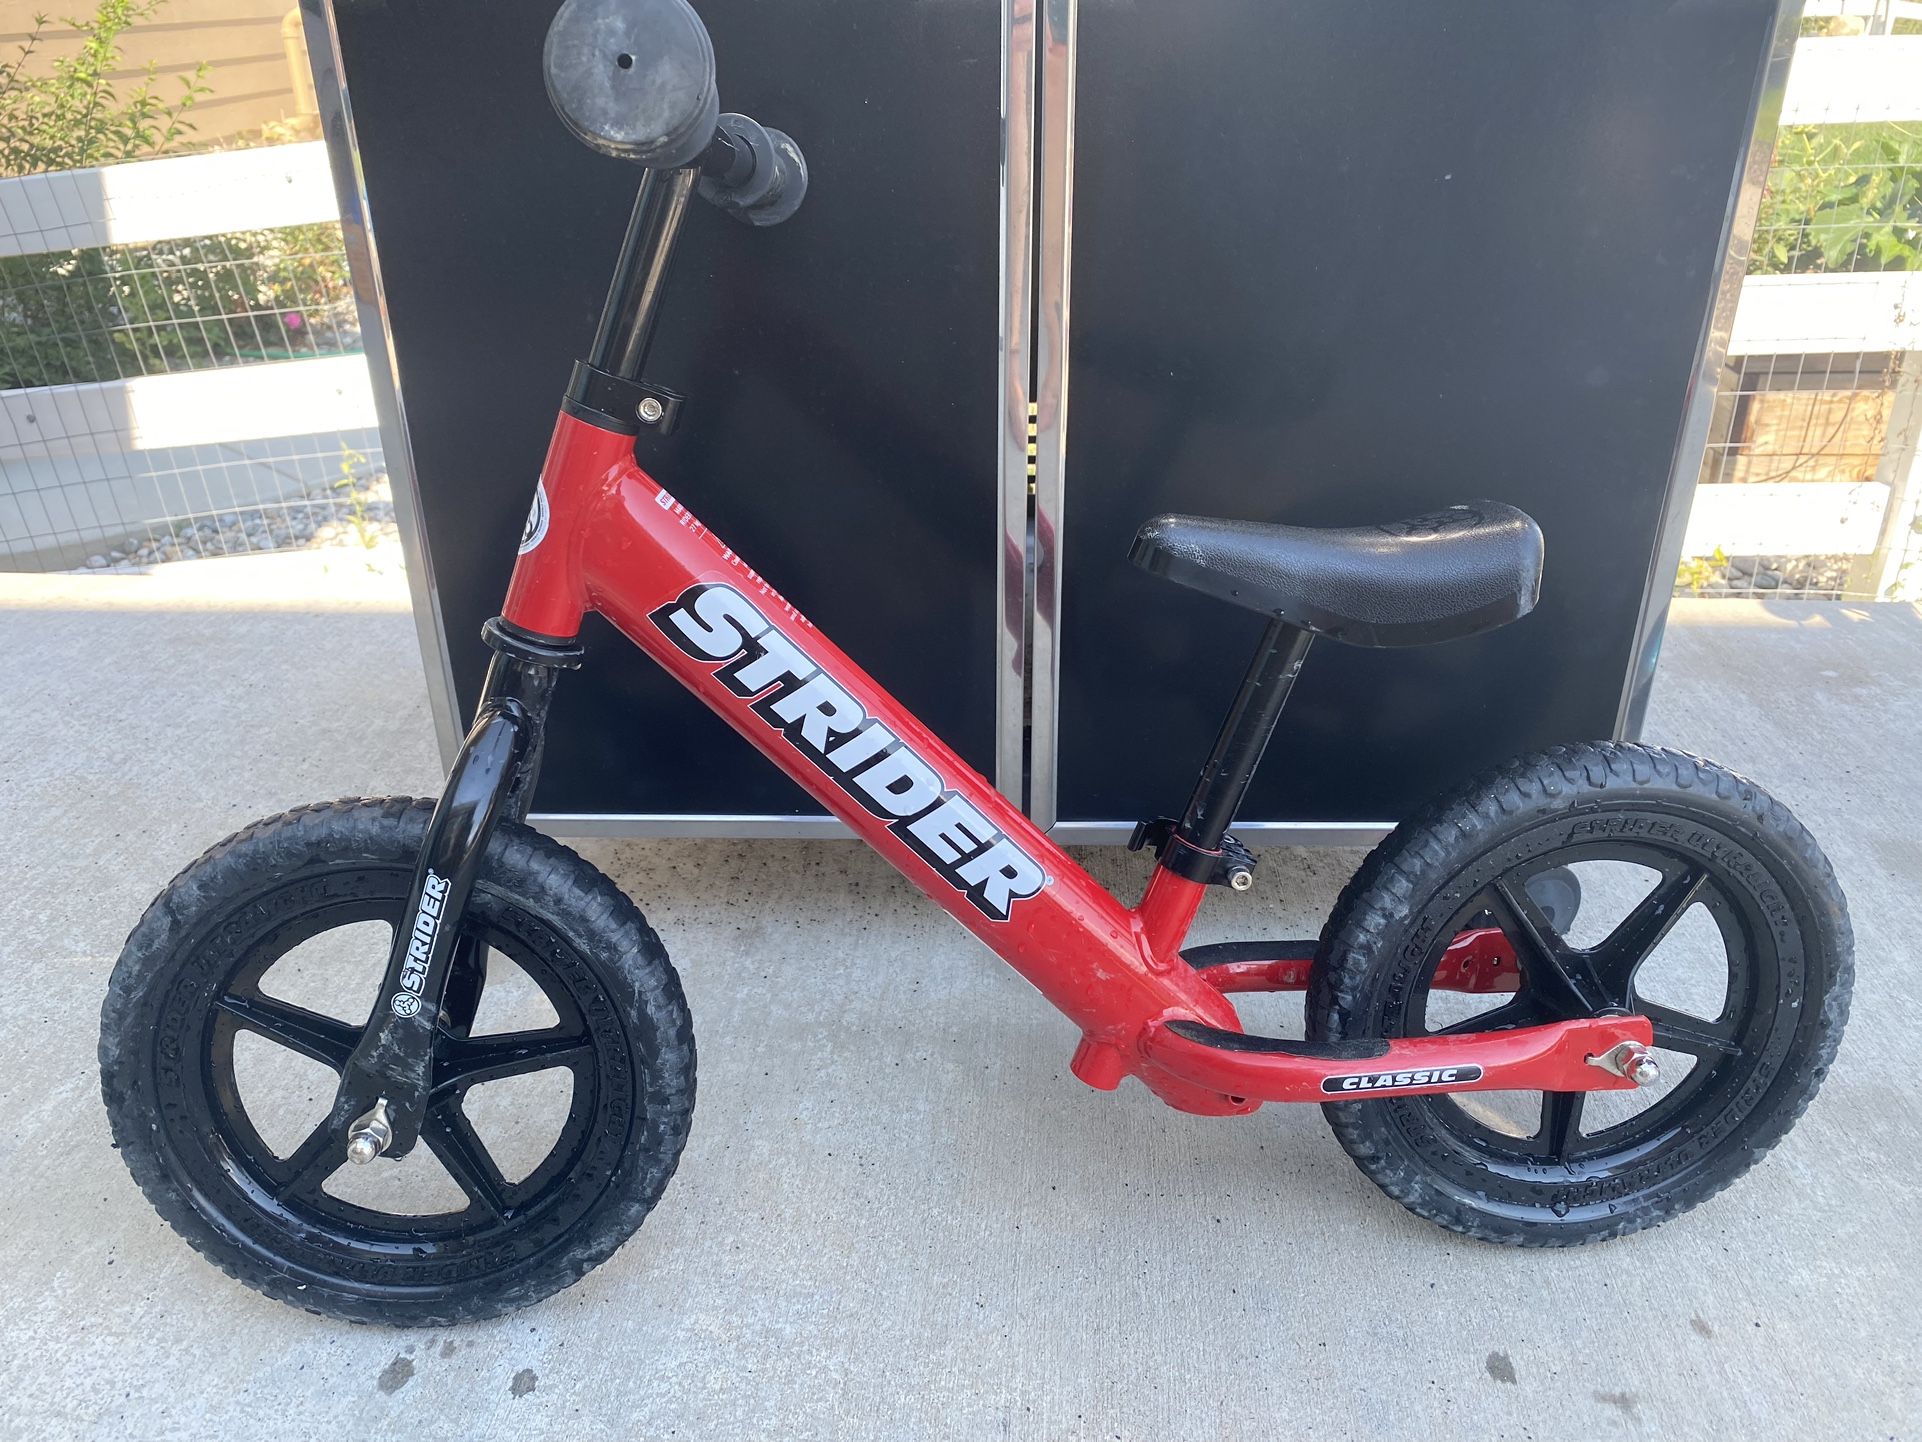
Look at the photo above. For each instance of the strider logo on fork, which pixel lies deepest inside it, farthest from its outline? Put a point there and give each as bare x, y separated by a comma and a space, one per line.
716, 623
413, 973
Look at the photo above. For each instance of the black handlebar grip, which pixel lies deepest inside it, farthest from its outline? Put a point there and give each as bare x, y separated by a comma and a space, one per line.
634, 79
767, 178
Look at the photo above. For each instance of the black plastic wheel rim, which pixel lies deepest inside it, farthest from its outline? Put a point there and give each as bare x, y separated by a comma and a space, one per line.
1589, 1173
277, 1204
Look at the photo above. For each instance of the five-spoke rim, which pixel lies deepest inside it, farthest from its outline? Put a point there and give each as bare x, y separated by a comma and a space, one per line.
1561, 981
293, 1183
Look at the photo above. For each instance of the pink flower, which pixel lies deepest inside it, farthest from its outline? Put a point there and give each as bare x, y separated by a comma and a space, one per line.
293, 320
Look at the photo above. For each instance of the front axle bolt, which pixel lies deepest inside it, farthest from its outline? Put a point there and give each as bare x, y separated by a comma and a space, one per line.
1630, 1061
370, 1136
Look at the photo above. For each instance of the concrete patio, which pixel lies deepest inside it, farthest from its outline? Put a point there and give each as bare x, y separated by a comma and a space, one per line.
898, 1217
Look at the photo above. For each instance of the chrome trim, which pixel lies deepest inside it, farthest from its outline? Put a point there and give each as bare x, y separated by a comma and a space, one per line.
1011, 574
1745, 201
829, 828
370, 302
1053, 267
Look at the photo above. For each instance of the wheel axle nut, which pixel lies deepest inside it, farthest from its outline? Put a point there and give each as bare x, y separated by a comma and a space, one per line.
368, 1137
1631, 1062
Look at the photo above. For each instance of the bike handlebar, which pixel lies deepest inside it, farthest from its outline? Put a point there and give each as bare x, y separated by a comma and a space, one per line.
635, 79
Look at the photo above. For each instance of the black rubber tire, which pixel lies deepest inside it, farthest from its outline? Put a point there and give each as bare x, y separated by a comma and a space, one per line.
528, 884
1373, 948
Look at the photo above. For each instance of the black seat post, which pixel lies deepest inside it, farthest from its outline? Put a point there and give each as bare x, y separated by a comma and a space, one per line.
1244, 735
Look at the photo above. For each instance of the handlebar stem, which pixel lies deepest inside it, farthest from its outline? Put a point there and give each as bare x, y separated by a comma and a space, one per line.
626, 330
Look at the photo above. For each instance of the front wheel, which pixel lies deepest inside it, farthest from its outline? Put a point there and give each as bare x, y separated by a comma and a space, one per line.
1702, 905
563, 1069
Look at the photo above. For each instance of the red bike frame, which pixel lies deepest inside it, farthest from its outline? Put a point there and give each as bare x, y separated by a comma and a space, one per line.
605, 537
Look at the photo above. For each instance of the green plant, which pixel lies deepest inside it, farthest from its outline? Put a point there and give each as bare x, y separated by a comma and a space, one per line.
1852, 25
352, 463
73, 114
1841, 198
1696, 572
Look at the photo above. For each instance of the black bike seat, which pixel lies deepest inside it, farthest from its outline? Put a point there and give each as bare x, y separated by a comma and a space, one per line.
1449, 573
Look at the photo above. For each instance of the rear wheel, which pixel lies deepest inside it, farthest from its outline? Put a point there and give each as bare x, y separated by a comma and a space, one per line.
1701, 903
563, 1069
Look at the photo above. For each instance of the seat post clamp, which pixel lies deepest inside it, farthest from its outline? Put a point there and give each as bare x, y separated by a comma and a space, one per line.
1232, 866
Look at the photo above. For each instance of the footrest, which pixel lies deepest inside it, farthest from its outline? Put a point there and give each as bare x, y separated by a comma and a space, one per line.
1566, 1056
1479, 960
1253, 965
1223, 1040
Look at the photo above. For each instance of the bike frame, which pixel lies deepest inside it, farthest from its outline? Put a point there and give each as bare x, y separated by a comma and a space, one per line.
603, 536
606, 537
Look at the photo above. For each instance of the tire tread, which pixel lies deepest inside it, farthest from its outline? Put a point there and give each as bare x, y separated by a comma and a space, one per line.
583, 902
1388, 885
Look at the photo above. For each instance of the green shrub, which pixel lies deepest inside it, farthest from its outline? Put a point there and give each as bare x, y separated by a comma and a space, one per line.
73, 114
1841, 198
96, 315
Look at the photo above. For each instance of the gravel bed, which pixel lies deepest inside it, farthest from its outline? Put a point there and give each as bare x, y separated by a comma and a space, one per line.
359, 513
1800, 577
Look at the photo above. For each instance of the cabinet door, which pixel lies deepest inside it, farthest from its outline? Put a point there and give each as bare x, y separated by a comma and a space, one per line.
842, 425
1341, 263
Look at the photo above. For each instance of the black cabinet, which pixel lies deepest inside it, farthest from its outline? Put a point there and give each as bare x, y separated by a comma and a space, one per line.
841, 370
1329, 264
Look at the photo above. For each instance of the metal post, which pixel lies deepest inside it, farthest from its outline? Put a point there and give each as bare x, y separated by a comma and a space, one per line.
1244, 735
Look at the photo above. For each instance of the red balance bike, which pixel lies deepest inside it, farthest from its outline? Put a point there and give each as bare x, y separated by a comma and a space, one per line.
1483, 1026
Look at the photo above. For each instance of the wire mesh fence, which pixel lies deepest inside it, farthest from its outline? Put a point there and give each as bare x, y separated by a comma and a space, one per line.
1806, 463
109, 313
202, 395
1807, 417
195, 502
183, 398
1809, 485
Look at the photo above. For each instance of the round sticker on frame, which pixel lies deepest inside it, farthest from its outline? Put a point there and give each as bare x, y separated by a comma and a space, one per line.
535, 531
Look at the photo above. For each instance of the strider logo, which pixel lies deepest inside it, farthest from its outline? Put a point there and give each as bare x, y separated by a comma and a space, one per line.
717, 624
1388, 1081
413, 968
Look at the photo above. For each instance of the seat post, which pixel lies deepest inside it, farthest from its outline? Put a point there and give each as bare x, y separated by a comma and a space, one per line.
1223, 782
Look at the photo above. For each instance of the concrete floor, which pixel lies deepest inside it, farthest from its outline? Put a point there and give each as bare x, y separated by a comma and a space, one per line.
899, 1218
